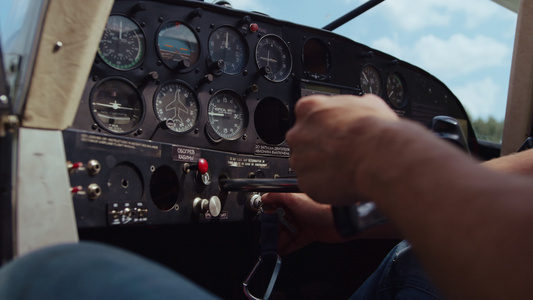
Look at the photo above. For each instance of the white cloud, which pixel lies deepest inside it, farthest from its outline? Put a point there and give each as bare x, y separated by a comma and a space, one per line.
452, 57
481, 98
419, 14
460, 53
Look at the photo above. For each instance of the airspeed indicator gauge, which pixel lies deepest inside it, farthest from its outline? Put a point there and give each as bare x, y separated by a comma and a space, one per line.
370, 80
227, 114
395, 90
122, 45
176, 104
273, 58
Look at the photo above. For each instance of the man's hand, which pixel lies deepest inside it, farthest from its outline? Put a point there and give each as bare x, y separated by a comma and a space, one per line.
313, 221
329, 141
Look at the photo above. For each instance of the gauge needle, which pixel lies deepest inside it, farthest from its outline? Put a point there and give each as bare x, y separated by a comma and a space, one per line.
364, 75
120, 31
227, 40
268, 59
216, 114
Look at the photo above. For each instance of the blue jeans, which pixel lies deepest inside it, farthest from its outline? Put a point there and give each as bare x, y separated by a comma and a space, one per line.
92, 271
399, 277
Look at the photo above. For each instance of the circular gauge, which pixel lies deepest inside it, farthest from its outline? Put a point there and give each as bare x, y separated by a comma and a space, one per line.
117, 105
228, 45
273, 58
176, 104
271, 120
178, 45
122, 45
395, 90
227, 115
316, 57
370, 80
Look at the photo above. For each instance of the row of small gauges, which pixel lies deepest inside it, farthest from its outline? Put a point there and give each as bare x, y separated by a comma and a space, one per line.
371, 83
123, 47
119, 107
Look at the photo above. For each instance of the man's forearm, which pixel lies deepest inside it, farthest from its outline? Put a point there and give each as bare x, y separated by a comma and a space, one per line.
519, 163
464, 220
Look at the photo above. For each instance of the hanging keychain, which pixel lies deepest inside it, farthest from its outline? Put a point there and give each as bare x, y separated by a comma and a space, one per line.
269, 249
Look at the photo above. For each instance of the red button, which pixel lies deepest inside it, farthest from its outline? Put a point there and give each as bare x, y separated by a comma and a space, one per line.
254, 27
202, 166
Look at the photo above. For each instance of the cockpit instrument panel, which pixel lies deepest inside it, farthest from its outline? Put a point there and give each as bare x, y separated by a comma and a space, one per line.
176, 84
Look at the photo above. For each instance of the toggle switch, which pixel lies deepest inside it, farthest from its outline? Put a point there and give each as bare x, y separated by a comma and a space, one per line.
74, 166
201, 166
77, 190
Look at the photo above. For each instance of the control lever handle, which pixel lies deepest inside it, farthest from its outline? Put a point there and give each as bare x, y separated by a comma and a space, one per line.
264, 185
349, 220
448, 128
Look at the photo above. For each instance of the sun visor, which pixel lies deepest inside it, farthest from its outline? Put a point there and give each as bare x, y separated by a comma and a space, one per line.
65, 55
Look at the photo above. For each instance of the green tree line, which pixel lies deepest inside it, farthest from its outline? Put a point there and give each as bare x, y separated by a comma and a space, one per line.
489, 130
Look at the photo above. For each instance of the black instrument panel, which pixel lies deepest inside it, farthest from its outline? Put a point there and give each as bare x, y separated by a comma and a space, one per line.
176, 81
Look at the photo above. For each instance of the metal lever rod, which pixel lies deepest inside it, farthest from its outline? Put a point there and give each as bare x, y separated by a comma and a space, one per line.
352, 14
263, 185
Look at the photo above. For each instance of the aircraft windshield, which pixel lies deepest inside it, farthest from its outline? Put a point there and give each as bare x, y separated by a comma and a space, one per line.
20, 21
466, 44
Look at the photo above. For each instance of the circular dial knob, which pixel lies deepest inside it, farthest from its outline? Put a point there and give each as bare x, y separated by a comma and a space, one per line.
213, 206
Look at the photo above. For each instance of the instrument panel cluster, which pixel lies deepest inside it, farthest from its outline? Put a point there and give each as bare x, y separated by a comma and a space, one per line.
175, 81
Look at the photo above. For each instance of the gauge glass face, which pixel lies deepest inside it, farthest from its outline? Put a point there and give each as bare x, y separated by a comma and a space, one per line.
370, 80
271, 120
122, 45
228, 45
227, 115
316, 57
273, 58
176, 104
117, 105
395, 90
178, 46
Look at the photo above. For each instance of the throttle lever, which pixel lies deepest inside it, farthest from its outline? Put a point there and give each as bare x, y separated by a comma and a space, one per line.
264, 185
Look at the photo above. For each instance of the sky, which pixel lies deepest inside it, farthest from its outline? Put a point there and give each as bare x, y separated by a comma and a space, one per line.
467, 44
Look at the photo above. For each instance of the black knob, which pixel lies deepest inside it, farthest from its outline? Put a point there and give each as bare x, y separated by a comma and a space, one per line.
140, 6
266, 70
198, 12
217, 66
184, 64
